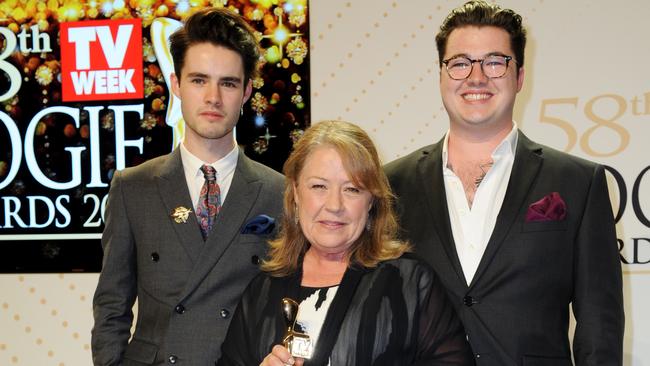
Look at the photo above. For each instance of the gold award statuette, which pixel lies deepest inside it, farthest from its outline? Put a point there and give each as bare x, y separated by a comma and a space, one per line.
298, 344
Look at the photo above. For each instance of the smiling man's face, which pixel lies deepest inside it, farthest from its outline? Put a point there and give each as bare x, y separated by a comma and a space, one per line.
478, 100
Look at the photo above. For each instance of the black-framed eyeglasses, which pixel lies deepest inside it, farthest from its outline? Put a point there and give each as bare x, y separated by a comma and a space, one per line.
493, 66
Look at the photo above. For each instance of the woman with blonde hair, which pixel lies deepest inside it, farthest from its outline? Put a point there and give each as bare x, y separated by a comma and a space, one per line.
362, 299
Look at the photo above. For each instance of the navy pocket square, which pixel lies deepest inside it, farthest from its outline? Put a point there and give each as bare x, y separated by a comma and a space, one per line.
259, 225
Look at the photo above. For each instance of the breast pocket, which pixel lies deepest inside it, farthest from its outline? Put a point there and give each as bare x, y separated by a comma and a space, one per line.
248, 249
253, 239
543, 249
537, 226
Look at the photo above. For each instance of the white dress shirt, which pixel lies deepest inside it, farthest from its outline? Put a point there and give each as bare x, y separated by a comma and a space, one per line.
225, 168
473, 226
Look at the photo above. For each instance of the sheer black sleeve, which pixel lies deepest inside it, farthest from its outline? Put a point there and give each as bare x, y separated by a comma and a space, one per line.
441, 336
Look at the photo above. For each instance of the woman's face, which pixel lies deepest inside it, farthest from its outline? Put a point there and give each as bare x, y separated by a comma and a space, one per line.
332, 210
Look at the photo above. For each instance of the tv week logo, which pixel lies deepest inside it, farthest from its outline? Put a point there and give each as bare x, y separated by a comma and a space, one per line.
101, 60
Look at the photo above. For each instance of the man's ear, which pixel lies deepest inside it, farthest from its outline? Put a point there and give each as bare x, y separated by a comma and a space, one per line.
520, 79
176, 84
247, 91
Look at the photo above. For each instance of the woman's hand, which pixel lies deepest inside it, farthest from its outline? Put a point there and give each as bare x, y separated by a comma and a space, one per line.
280, 356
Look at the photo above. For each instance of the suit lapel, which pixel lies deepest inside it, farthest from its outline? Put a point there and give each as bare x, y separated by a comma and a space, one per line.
170, 180
430, 177
242, 195
528, 161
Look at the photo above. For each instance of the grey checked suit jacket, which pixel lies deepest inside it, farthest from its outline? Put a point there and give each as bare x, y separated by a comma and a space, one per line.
186, 289
516, 309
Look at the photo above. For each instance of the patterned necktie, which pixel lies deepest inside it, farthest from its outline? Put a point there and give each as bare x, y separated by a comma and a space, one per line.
209, 200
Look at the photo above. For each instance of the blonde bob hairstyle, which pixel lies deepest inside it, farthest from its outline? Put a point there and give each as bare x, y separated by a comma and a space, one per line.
360, 159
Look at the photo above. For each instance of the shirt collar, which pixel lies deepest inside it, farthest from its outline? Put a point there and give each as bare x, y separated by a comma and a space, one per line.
223, 166
507, 146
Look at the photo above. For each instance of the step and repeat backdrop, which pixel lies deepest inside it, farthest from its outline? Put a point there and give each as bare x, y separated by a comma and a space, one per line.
372, 62
86, 91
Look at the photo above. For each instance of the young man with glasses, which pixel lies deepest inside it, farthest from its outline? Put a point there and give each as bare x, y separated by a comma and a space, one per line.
517, 231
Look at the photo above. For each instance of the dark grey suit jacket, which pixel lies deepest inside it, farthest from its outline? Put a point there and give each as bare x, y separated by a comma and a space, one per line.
186, 289
516, 309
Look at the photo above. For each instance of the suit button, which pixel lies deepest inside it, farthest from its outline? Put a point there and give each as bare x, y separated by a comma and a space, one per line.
255, 260
172, 359
469, 301
155, 257
224, 313
179, 309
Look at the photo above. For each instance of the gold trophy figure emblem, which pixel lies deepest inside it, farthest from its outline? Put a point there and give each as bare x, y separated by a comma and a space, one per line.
298, 344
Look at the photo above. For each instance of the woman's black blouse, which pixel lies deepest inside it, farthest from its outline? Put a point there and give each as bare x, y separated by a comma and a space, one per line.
395, 314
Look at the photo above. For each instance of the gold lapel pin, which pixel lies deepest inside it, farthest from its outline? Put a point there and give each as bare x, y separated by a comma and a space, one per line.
180, 214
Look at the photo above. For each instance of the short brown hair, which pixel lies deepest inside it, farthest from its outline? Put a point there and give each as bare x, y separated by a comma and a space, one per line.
220, 27
361, 161
480, 13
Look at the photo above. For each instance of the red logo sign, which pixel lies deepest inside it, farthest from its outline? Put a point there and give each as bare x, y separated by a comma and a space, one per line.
101, 60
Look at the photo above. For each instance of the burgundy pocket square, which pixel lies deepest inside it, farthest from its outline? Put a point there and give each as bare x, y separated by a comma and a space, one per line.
549, 208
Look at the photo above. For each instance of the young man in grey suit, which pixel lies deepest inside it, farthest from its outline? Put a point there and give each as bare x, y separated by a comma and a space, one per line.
517, 231
162, 243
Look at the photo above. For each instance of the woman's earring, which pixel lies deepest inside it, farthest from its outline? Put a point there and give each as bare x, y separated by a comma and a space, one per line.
296, 219
241, 111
